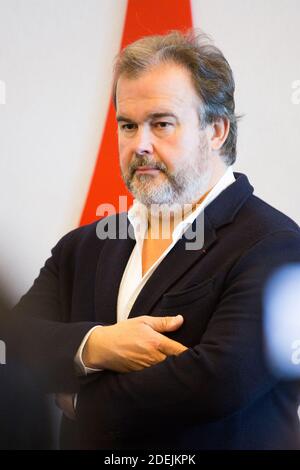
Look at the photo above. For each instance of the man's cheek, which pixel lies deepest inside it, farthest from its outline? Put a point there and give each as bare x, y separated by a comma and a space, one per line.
124, 158
123, 147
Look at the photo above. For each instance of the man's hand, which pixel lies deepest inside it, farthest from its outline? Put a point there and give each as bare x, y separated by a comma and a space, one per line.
132, 344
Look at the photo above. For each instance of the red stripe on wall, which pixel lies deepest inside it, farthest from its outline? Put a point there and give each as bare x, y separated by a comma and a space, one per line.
143, 18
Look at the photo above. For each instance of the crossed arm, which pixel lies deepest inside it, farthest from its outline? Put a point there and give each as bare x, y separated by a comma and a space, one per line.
217, 377
125, 347
221, 375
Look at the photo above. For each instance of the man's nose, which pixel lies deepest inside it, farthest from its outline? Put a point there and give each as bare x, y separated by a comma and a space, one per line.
143, 142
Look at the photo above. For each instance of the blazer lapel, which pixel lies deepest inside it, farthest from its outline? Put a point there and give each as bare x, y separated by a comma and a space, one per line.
111, 265
173, 266
179, 260
115, 254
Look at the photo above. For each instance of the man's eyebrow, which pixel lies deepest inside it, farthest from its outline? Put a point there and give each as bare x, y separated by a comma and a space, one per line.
121, 118
162, 115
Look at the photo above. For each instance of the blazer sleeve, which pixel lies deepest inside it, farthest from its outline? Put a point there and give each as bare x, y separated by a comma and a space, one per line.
222, 374
39, 337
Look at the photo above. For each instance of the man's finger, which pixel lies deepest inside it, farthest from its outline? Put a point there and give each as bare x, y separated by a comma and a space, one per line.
163, 324
170, 347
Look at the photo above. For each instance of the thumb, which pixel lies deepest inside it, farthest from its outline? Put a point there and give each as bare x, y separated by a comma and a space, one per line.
170, 347
162, 324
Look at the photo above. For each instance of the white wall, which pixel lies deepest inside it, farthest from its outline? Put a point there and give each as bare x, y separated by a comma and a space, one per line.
261, 40
56, 58
56, 61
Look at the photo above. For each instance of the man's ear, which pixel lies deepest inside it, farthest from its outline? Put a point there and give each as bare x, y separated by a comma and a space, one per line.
218, 133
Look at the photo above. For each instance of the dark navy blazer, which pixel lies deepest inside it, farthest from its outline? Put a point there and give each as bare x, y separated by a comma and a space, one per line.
218, 394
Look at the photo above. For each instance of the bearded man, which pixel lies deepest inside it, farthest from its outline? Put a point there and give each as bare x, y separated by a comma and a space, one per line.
147, 340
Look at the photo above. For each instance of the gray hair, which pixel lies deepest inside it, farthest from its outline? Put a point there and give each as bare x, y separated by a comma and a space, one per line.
210, 72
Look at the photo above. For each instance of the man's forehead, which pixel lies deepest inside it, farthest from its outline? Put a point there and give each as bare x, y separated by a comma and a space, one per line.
165, 82
146, 109
146, 98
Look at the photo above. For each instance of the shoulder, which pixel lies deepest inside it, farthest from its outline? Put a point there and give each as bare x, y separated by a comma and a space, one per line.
267, 237
267, 216
87, 238
257, 221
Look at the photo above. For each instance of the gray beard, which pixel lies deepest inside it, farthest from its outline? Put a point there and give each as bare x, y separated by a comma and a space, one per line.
186, 186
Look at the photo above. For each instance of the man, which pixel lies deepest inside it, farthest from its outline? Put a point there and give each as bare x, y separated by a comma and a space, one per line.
158, 342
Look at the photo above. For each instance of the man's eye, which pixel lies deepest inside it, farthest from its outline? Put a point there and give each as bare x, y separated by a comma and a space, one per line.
128, 127
163, 125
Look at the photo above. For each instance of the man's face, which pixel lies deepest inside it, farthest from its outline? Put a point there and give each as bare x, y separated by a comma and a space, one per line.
165, 157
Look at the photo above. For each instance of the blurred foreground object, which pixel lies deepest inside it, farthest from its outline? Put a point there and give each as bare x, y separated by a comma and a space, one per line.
25, 416
282, 321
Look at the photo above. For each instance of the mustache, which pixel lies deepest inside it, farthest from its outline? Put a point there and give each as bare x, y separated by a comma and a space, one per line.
141, 161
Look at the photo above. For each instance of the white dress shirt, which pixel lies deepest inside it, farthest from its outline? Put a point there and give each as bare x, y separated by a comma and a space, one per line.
133, 279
